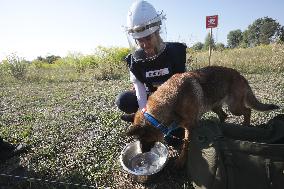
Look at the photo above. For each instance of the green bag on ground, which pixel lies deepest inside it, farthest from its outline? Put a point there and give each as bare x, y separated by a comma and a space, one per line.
230, 156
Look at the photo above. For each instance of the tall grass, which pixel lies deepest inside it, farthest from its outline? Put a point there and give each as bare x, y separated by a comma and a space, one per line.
107, 64
104, 64
261, 59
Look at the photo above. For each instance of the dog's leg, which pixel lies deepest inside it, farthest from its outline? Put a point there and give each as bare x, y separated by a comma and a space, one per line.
237, 100
238, 108
221, 114
247, 115
180, 162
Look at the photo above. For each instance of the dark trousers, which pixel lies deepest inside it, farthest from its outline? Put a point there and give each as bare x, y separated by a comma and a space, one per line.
127, 102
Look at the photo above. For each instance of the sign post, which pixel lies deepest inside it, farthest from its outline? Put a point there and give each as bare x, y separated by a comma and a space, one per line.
211, 22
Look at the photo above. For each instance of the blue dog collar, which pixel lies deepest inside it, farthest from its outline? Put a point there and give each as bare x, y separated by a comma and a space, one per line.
165, 130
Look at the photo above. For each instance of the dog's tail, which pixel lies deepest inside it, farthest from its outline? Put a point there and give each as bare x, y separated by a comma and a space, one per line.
254, 103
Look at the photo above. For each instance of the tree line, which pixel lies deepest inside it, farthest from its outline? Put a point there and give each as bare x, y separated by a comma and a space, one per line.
262, 31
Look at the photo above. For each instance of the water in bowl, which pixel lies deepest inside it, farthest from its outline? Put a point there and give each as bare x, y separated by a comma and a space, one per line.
145, 163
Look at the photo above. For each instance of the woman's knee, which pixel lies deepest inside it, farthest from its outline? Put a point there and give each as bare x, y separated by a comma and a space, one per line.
127, 102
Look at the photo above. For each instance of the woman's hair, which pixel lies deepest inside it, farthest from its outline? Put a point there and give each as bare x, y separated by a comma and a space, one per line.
159, 40
157, 33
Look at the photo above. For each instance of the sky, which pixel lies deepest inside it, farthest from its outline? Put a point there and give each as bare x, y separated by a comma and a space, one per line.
32, 28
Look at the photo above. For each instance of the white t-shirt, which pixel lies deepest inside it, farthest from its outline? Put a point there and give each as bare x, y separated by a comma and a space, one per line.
140, 90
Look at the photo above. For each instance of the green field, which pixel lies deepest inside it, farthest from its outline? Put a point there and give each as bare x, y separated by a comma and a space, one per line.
70, 121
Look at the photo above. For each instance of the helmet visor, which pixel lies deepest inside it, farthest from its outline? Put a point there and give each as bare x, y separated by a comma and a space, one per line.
143, 31
147, 28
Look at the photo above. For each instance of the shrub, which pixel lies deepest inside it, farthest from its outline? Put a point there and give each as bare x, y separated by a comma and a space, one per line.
104, 64
112, 55
17, 66
110, 63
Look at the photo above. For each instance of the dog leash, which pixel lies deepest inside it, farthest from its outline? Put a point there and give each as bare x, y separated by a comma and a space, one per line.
165, 130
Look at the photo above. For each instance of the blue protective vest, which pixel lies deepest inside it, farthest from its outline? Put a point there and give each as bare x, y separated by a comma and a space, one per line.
154, 72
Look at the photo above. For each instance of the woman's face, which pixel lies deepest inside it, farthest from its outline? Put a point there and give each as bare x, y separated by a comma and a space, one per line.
150, 44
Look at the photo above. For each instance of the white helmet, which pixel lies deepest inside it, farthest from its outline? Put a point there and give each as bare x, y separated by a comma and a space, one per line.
143, 19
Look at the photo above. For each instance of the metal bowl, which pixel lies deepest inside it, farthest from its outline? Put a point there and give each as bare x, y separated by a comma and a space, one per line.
144, 166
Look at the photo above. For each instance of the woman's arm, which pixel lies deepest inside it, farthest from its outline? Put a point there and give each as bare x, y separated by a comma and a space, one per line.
140, 90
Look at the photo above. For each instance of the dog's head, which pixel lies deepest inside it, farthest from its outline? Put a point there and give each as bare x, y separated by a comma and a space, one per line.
145, 132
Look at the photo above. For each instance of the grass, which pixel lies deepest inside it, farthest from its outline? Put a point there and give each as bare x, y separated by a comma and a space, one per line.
73, 125
68, 125
261, 59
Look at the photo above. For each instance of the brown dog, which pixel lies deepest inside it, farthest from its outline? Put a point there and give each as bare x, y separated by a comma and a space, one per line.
185, 97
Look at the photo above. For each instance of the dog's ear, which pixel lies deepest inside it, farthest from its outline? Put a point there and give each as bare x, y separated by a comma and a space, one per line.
135, 130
